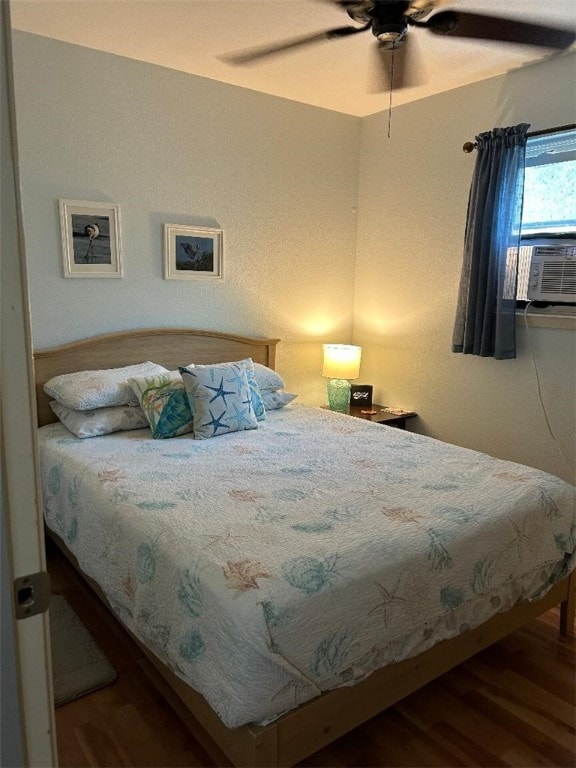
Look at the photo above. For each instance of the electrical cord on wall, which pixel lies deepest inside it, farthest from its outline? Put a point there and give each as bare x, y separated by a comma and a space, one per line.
540, 390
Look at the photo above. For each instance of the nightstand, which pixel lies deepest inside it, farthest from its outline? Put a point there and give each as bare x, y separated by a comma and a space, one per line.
393, 417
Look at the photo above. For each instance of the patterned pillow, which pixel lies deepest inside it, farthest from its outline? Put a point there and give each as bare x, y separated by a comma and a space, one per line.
165, 404
274, 400
101, 421
220, 399
257, 402
87, 390
267, 379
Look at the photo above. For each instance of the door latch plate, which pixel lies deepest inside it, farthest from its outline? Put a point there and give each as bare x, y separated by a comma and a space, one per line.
31, 594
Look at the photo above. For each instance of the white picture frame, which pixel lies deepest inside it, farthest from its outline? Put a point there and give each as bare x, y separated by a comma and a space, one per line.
193, 253
90, 234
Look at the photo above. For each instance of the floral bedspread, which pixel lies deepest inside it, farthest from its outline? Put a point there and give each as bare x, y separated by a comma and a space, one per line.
266, 566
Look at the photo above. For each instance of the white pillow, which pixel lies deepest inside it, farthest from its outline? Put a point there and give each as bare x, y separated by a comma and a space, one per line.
274, 400
87, 390
101, 421
267, 379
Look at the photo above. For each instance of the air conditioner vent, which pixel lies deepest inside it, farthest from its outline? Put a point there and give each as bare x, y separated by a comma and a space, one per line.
553, 273
559, 277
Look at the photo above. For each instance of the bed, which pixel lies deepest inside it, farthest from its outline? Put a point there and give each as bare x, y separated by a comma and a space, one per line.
405, 546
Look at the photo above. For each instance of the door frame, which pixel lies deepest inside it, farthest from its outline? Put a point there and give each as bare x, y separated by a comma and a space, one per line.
31, 699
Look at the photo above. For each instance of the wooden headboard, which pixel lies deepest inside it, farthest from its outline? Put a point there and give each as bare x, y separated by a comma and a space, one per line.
169, 347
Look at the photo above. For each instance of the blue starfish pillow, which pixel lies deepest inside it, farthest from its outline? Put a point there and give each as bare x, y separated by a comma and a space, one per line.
220, 399
257, 400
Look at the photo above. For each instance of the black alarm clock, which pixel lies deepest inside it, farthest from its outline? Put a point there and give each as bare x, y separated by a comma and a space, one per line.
361, 395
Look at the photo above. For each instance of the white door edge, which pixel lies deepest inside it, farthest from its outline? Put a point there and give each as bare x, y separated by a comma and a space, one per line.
19, 468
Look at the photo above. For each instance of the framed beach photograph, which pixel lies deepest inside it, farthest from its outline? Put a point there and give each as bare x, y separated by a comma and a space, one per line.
192, 253
90, 239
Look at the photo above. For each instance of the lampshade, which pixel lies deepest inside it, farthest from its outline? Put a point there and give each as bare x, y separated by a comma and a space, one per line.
341, 361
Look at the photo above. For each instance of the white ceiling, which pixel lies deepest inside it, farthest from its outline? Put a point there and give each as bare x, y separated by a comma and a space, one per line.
190, 35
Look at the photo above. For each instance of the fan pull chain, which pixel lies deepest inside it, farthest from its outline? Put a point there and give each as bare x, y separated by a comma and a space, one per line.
391, 89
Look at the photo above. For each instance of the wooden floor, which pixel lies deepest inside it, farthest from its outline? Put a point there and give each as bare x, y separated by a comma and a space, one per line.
512, 705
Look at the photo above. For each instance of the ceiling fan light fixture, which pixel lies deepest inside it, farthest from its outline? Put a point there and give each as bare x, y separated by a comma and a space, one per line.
390, 32
389, 39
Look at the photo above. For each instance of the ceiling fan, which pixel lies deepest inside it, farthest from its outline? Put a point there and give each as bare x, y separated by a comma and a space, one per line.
390, 20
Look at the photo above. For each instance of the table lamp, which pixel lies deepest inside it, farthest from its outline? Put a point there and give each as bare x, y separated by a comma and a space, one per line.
340, 363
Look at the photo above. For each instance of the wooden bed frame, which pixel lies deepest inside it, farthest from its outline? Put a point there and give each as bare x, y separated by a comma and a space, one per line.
313, 725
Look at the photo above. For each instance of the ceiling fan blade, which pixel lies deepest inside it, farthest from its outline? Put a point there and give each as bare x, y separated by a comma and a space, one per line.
260, 52
396, 68
479, 26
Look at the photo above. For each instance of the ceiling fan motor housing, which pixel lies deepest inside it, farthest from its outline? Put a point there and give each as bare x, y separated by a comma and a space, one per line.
389, 23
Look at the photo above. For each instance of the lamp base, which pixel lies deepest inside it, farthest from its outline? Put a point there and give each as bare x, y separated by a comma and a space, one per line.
338, 395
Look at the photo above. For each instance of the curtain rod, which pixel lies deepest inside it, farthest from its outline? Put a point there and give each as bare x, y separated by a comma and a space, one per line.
470, 146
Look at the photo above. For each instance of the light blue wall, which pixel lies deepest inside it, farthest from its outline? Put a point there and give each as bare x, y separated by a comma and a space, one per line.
280, 178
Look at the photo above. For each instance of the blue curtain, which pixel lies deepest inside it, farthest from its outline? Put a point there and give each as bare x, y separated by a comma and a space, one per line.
486, 313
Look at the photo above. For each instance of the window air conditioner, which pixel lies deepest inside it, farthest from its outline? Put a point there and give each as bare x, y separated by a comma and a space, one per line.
553, 274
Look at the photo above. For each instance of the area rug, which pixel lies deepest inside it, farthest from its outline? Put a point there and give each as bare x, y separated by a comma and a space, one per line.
78, 664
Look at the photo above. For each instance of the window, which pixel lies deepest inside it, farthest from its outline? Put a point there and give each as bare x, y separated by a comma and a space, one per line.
549, 207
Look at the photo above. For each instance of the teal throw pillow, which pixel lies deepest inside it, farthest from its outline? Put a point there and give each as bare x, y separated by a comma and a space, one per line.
165, 404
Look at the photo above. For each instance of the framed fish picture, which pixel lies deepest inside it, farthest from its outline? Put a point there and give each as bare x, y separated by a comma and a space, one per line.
90, 234
192, 253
